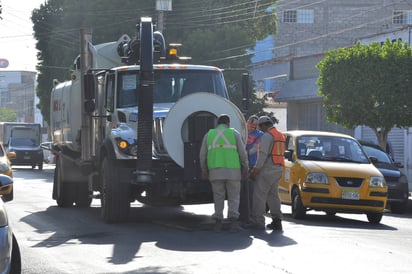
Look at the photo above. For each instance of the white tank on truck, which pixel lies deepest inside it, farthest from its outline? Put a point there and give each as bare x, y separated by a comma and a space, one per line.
129, 125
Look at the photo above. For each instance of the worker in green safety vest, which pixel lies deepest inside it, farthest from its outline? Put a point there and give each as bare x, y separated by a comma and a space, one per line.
224, 161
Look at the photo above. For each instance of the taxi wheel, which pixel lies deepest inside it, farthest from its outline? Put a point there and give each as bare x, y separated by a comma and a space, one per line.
374, 218
330, 213
298, 210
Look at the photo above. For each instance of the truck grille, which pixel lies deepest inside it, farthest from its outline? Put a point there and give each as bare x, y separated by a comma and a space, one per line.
158, 143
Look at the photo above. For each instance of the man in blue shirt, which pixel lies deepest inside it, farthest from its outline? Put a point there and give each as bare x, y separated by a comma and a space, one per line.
252, 148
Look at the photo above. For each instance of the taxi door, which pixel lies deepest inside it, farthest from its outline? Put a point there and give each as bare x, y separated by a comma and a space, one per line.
286, 180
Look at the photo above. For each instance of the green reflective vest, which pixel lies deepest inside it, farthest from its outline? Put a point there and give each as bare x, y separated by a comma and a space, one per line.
221, 148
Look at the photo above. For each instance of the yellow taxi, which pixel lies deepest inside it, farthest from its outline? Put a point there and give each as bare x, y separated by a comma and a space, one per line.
330, 172
5, 168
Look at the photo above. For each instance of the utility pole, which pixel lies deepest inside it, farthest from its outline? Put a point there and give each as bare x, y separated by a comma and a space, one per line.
161, 7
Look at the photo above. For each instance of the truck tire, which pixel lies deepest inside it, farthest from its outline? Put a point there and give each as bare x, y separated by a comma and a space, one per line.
61, 190
114, 194
40, 166
83, 199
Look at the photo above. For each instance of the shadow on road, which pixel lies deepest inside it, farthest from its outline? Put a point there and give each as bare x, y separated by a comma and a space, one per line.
338, 221
169, 228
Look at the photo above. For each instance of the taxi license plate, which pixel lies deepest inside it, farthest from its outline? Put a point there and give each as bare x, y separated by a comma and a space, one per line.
350, 195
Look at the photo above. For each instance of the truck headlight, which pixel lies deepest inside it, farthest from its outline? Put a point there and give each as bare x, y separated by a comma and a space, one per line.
127, 146
4, 167
377, 181
317, 178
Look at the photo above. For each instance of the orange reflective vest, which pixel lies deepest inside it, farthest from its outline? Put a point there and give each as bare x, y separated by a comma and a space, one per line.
279, 146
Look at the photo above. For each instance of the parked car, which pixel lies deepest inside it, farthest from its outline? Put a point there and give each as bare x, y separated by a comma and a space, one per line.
5, 168
330, 172
398, 190
48, 156
10, 259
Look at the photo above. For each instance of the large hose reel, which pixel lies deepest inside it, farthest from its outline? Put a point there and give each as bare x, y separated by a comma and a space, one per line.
176, 123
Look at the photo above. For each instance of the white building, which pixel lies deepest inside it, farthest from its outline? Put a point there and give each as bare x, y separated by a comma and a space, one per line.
17, 91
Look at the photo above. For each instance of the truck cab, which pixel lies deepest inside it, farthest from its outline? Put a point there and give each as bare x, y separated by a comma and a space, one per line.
24, 141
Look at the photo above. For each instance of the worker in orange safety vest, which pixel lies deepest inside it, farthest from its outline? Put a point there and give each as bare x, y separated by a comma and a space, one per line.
267, 173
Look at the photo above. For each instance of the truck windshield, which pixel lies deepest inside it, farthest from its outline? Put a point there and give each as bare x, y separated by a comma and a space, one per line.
21, 142
170, 85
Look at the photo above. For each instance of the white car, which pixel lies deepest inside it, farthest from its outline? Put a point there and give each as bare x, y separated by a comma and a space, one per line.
10, 259
49, 157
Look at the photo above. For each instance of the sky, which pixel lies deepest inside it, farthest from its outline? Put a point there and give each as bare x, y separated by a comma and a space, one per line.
17, 43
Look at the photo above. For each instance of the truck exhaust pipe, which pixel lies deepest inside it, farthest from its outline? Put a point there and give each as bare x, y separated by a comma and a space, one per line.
145, 103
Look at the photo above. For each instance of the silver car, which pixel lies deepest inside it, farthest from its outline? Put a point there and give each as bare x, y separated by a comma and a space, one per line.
10, 260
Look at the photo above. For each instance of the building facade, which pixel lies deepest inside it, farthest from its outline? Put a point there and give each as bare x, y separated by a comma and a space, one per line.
306, 30
17, 92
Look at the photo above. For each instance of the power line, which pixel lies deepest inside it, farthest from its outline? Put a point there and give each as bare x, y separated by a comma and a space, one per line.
315, 37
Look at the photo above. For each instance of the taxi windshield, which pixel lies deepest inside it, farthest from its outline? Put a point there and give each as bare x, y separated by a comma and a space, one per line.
330, 148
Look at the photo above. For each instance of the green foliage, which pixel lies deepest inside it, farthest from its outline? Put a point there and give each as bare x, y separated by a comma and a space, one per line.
213, 32
368, 85
8, 114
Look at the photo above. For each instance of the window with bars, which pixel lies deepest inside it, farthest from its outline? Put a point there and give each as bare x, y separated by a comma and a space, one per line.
402, 17
290, 16
305, 16
298, 16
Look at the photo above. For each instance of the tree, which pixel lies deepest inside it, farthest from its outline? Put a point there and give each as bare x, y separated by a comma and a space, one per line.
368, 85
219, 33
7, 114
214, 32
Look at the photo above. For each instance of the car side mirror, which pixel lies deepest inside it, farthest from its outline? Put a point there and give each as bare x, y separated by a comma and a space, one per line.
6, 186
288, 155
374, 160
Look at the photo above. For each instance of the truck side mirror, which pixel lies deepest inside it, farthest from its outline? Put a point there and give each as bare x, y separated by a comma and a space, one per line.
89, 86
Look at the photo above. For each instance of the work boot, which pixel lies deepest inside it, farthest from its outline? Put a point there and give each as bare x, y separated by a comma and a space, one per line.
234, 226
217, 226
254, 226
276, 224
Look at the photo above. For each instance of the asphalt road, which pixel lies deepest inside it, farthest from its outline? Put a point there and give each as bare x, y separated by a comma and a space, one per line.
179, 240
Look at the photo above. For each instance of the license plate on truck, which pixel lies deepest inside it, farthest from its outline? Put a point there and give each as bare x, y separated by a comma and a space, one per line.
350, 195
26, 157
